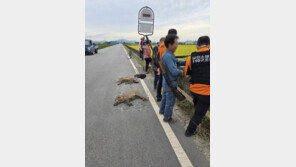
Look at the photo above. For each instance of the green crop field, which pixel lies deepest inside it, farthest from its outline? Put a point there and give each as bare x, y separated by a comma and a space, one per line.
136, 46
182, 50
185, 50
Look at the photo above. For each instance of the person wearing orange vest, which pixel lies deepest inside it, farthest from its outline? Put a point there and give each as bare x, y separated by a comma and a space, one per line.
198, 67
161, 50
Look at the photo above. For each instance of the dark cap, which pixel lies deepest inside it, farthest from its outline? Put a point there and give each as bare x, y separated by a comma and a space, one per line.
204, 40
172, 31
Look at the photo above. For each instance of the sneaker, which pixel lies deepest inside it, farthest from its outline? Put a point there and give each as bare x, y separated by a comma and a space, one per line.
171, 121
189, 134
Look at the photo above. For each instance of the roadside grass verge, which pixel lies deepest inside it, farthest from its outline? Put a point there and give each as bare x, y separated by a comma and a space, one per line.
188, 110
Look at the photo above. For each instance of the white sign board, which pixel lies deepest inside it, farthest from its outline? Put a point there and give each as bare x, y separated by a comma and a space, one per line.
146, 21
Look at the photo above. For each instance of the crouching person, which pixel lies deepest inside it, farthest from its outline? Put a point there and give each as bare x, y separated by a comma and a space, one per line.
170, 63
198, 67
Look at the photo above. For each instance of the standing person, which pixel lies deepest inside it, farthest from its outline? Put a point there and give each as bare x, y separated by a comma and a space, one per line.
157, 71
156, 77
141, 47
198, 67
155, 49
170, 63
147, 55
161, 50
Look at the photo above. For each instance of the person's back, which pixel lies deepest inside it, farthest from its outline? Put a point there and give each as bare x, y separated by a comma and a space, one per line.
147, 51
198, 67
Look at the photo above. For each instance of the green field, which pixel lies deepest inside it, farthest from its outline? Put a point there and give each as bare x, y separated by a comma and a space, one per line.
136, 46
181, 50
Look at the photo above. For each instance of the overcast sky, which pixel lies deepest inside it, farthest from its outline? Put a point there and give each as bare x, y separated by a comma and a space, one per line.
118, 19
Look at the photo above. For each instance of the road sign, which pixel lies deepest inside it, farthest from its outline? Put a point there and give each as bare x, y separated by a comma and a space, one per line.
145, 21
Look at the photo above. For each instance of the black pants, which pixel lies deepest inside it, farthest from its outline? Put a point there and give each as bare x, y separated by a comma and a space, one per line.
141, 54
148, 60
156, 78
201, 105
159, 86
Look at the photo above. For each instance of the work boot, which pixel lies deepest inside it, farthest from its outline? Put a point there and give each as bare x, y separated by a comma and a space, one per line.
189, 134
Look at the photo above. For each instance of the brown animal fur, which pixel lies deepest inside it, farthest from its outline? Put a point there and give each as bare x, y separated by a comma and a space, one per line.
128, 97
127, 80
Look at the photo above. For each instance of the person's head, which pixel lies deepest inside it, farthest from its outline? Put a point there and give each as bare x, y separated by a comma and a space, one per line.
203, 41
142, 39
172, 31
161, 39
171, 42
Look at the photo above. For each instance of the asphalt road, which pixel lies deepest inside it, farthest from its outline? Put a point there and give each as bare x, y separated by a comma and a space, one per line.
123, 136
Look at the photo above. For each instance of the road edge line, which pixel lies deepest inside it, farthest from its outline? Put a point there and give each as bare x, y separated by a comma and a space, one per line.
177, 147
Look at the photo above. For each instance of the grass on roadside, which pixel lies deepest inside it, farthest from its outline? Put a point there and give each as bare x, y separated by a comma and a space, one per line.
204, 127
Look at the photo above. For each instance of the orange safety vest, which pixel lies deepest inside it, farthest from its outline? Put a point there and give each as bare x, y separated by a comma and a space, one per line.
161, 50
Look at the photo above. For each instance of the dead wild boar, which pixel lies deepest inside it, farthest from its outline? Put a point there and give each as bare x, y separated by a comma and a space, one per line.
127, 80
128, 97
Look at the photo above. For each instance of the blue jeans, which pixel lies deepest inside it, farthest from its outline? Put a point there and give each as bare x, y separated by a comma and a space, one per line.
167, 101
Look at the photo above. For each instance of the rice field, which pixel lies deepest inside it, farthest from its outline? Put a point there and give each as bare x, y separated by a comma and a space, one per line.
182, 50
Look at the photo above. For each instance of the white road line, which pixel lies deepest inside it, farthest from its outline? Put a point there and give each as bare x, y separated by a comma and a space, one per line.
179, 151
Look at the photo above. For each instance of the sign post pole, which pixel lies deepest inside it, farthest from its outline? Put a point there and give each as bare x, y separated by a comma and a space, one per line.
145, 28
146, 25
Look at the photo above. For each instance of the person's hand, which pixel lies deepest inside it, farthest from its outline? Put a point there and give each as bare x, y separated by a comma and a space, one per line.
158, 71
182, 72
